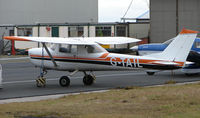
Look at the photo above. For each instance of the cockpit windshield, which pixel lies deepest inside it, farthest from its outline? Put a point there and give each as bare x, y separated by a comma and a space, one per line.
53, 46
94, 48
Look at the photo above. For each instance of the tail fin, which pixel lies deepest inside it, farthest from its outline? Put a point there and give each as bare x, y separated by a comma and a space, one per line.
179, 48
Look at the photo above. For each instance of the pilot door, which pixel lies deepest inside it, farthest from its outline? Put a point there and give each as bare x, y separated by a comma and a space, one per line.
76, 51
69, 51
82, 51
86, 51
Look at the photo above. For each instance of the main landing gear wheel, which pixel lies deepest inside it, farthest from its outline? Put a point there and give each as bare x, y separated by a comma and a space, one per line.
64, 81
150, 73
88, 80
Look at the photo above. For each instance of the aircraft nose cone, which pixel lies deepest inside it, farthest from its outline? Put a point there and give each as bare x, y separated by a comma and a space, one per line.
134, 48
33, 51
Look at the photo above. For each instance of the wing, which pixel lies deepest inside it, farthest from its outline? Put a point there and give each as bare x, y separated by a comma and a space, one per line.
76, 40
112, 40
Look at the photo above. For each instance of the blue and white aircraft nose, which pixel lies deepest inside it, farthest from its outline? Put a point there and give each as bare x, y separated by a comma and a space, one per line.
134, 48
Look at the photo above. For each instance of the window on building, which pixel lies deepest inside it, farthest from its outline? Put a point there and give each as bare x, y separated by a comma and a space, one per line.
24, 31
103, 31
121, 31
55, 32
11, 33
75, 31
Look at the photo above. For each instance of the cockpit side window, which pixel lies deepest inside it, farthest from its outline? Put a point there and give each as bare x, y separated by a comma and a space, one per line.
53, 46
64, 48
197, 44
90, 49
94, 48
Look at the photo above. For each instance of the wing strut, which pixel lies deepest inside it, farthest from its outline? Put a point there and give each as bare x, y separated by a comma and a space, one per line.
52, 59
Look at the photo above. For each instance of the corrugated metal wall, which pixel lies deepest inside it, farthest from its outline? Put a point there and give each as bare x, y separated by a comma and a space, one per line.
139, 30
169, 16
48, 11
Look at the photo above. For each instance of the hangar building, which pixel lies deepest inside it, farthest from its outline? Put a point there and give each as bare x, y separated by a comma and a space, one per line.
168, 17
20, 12
62, 18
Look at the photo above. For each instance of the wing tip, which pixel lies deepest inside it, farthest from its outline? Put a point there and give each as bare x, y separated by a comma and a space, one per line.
7, 37
15, 38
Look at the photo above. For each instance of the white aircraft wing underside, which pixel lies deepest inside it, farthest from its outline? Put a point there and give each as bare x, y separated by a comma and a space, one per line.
113, 40
76, 40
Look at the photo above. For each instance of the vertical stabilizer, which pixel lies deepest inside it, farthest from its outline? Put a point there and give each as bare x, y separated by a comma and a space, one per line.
179, 48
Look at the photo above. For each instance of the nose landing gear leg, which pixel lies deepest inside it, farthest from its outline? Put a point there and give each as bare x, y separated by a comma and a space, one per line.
41, 80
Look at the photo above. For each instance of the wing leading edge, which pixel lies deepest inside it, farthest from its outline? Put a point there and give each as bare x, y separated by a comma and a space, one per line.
76, 41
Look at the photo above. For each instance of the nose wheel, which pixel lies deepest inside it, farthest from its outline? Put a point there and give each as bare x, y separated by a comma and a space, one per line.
88, 79
41, 80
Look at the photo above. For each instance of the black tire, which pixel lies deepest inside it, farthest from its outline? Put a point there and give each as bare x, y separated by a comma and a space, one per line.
150, 73
38, 85
64, 81
88, 80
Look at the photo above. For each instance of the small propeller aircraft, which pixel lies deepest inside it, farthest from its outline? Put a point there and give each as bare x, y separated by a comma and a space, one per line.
85, 54
189, 68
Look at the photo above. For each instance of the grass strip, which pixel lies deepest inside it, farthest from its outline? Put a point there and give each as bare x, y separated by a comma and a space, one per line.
132, 102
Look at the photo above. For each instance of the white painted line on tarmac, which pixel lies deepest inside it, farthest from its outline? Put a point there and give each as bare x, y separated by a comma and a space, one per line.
177, 84
122, 74
53, 79
17, 82
39, 98
18, 58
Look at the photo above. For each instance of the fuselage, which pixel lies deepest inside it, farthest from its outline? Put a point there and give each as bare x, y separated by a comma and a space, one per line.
87, 58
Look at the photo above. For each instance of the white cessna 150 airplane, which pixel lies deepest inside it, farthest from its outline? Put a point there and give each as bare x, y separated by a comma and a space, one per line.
85, 54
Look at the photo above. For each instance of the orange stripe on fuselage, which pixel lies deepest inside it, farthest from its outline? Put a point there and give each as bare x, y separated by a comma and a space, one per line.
180, 63
56, 57
144, 61
104, 55
115, 59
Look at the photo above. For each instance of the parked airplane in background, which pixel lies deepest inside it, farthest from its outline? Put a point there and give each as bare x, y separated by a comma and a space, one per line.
194, 55
85, 54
